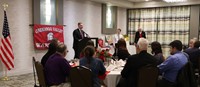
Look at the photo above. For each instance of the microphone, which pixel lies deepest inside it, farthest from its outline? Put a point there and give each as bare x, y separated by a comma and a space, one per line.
85, 34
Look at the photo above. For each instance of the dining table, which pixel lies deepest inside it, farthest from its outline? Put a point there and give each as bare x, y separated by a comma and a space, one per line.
114, 75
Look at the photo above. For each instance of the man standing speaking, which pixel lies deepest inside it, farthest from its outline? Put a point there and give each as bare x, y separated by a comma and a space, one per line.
78, 35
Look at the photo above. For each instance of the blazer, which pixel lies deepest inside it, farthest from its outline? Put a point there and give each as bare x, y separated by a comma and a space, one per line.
77, 37
134, 62
137, 36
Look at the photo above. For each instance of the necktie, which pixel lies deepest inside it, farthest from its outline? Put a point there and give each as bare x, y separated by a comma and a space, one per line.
81, 32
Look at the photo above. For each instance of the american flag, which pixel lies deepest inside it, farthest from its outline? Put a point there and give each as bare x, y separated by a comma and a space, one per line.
6, 52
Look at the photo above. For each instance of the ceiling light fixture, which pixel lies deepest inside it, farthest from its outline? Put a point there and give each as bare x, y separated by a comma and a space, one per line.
174, 1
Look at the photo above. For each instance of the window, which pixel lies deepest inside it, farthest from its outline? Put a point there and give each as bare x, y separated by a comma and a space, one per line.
160, 24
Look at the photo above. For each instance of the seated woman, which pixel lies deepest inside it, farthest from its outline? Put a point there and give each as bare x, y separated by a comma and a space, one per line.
51, 50
157, 52
89, 43
95, 64
122, 51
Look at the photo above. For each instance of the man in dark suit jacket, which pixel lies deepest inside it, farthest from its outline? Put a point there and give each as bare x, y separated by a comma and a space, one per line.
134, 62
78, 35
139, 34
194, 54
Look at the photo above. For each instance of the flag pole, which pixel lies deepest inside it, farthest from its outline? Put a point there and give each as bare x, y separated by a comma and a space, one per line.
5, 77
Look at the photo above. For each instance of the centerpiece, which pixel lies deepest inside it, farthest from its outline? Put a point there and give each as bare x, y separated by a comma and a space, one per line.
104, 54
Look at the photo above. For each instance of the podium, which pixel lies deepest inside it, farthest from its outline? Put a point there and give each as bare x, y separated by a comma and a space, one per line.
83, 42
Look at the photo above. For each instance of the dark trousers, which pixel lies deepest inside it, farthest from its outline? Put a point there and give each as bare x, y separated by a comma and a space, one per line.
165, 83
77, 53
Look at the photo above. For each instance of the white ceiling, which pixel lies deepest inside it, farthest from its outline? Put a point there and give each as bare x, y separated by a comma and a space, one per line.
143, 3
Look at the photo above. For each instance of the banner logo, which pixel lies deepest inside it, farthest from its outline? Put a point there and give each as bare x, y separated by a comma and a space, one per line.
43, 34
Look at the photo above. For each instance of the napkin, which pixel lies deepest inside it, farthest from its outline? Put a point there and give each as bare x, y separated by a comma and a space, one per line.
111, 67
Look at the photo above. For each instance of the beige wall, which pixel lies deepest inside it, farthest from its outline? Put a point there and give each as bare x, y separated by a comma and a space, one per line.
89, 13
121, 19
20, 16
194, 21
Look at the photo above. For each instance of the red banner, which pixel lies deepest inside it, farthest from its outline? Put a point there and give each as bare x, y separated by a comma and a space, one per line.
43, 34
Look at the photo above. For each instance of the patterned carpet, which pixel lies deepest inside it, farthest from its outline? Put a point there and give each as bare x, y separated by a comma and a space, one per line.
25, 80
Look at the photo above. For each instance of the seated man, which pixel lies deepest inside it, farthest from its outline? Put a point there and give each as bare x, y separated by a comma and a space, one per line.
194, 54
57, 67
134, 62
171, 66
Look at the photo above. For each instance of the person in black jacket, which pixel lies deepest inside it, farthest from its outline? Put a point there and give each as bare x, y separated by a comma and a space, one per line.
139, 34
78, 35
134, 62
194, 54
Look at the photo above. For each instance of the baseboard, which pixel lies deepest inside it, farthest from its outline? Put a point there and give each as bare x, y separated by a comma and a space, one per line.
17, 72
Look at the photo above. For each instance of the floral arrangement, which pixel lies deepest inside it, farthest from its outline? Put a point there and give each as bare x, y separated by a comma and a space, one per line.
103, 54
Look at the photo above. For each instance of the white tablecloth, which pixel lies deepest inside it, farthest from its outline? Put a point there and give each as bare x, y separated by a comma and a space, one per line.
113, 78
131, 48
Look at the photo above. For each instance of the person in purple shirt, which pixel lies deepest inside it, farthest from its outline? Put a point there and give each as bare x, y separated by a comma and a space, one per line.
171, 66
51, 50
57, 67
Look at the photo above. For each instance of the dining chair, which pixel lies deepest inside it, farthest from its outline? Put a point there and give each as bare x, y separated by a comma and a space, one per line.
40, 73
147, 76
81, 77
186, 76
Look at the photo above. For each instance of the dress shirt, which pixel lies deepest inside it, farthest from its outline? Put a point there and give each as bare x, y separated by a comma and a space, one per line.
57, 69
170, 67
117, 37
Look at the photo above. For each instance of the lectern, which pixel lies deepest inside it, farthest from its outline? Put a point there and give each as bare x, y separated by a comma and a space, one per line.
83, 42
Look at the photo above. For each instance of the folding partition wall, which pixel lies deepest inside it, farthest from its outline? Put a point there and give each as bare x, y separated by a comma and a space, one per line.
163, 24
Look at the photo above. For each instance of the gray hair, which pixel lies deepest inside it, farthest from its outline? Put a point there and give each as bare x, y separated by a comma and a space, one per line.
143, 44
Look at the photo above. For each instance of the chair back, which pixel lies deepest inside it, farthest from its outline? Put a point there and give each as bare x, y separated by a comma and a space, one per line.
40, 73
186, 76
147, 76
81, 77
198, 70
